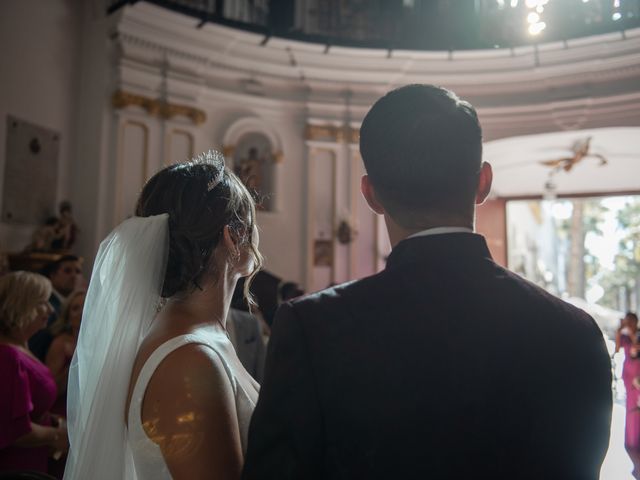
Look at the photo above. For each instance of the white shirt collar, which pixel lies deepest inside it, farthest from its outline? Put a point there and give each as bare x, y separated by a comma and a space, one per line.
441, 231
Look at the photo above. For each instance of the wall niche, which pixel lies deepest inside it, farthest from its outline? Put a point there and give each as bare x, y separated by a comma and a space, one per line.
253, 151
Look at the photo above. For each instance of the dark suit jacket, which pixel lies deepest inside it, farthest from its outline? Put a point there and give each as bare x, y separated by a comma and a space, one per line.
443, 366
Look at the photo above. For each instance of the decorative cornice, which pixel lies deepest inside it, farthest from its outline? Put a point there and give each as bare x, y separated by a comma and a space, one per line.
156, 107
332, 133
327, 133
220, 54
554, 86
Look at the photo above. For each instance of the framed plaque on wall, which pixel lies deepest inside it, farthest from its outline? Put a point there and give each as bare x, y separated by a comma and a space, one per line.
30, 172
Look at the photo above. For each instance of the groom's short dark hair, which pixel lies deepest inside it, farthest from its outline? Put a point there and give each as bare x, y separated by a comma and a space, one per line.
422, 149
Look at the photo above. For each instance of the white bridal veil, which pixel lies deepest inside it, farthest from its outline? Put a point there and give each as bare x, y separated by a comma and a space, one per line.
123, 296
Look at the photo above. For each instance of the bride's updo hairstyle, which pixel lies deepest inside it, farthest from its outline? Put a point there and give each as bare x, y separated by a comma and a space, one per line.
201, 197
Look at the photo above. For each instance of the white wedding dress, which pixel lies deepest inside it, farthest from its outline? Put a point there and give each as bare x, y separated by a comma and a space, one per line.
121, 303
147, 457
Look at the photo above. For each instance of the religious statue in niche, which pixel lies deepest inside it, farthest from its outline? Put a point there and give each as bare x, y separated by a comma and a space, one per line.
58, 233
254, 163
250, 169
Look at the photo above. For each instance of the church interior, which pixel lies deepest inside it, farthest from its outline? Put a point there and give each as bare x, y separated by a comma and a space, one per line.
98, 95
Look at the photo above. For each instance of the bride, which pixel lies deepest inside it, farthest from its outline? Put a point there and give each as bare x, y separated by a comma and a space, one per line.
156, 390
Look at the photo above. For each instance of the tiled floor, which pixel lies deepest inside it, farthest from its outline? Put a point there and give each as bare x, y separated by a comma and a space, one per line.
617, 464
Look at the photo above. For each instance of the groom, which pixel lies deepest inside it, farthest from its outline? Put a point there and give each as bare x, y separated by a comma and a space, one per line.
444, 365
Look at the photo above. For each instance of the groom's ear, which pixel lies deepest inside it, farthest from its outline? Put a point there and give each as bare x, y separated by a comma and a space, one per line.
369, 194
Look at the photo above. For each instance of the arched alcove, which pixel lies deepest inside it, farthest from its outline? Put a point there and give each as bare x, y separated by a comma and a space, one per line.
254, 150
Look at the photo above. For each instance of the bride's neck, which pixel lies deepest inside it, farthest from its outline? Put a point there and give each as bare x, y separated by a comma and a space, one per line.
207, 305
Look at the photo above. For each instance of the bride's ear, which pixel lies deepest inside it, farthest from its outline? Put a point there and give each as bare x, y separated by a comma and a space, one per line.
230, 242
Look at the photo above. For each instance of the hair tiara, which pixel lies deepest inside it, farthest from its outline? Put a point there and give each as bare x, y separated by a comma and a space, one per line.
215, 159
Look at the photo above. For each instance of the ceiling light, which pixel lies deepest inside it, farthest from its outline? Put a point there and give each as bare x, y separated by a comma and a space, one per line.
514, 3
533, 17
536, 28
616, 16
535, 3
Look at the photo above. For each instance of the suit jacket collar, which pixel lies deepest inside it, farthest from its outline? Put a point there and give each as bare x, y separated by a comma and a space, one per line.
443, 248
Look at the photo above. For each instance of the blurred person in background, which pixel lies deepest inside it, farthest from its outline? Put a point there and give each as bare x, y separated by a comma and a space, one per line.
288, 291
65, 335
65, 332
65, 275
627, 339
28, 431
245, 333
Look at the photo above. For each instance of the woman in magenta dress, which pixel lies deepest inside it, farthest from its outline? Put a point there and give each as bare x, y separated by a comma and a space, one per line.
28, 390
627, 338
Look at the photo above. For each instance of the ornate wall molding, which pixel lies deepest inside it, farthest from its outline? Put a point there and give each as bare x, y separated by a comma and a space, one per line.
332, 133
156, 107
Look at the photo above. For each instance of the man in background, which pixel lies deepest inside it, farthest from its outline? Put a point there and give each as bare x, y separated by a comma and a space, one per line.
245, 333
65, 275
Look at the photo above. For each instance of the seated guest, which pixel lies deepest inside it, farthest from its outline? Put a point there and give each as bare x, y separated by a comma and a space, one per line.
64, 274
65, 334
27, 430
245, 333
288, 291
238, 302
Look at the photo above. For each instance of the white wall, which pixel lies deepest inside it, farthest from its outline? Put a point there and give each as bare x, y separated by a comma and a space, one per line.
137, 153
63, 60
39, 58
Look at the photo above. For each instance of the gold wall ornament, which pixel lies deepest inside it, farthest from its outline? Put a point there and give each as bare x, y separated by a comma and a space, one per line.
157, 107
332, 133
327, 133
169, 110
122, 100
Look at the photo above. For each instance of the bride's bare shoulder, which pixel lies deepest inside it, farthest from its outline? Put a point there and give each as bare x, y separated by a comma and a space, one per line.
192, 370
192, 358
188, 406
